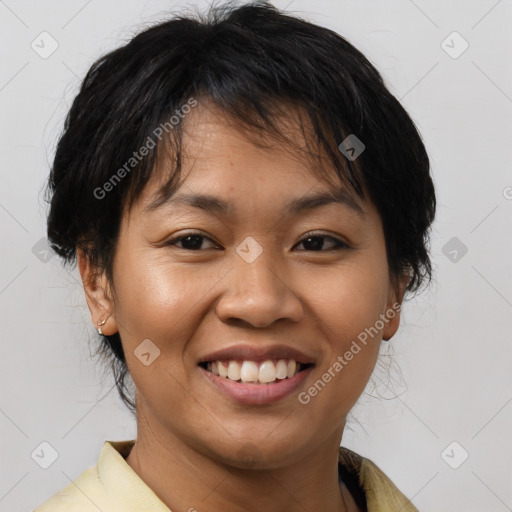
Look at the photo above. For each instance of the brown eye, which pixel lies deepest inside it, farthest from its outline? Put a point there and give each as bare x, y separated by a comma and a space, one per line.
189, 242
316, 243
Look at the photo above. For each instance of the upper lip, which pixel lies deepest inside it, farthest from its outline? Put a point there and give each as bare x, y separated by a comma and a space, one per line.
257, 354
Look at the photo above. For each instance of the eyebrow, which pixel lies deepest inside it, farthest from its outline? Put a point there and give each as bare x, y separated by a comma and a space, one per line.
211, 203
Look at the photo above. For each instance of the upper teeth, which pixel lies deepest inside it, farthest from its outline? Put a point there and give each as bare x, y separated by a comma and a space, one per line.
250, 371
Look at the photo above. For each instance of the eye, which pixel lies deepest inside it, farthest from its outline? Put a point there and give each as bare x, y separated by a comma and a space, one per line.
190, 241
316, 242
194, 242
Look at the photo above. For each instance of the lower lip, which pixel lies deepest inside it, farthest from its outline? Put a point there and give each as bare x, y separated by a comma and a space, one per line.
246, 393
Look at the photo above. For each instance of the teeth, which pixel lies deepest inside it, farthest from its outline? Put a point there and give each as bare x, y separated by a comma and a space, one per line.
267, 372
233, 370
223, 370
281, 369
290, 369
250, 371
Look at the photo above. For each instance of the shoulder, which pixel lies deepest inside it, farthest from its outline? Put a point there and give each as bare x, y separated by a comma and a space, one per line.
110, 486
84, 494
91, 491
381, 493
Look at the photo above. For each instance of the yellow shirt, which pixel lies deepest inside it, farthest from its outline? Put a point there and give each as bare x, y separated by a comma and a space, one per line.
113, 486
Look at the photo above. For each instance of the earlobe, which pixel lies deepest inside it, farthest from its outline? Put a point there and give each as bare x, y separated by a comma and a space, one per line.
98, 296
392, 321
393, 308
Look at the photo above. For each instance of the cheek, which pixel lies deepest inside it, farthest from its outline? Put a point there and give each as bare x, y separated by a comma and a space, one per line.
349, 299
159, 303
146, 285
158, 300
347, 304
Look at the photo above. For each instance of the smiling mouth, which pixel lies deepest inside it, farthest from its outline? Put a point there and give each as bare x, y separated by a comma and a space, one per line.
252, 372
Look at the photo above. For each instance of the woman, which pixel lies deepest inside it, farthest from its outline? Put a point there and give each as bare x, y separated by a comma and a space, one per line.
248, 206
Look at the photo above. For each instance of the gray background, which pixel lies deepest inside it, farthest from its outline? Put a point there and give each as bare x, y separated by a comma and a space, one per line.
451, 374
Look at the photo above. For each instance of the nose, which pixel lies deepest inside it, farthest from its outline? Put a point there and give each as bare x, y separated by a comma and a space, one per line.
258, 294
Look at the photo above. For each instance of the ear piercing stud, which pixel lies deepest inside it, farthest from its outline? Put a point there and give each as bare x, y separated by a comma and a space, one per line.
102, 323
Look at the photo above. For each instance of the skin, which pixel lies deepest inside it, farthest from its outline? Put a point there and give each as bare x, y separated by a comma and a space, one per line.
189, 303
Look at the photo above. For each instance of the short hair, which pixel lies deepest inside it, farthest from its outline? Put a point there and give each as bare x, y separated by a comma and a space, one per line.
251, 61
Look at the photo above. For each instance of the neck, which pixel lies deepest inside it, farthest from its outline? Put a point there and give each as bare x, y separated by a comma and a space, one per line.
185, 478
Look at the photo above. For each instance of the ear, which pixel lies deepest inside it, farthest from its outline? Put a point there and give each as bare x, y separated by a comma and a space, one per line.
393, 307
98, 295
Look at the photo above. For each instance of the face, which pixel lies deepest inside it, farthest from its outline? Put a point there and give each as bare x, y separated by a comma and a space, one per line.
258, 281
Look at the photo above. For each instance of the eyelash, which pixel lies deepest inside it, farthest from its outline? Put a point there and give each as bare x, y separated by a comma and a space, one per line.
339, 244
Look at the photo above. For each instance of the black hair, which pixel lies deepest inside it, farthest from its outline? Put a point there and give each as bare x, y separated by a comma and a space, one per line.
251, 61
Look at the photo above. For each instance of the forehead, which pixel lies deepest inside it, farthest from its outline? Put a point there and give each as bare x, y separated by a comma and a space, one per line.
218, 153
225, 166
